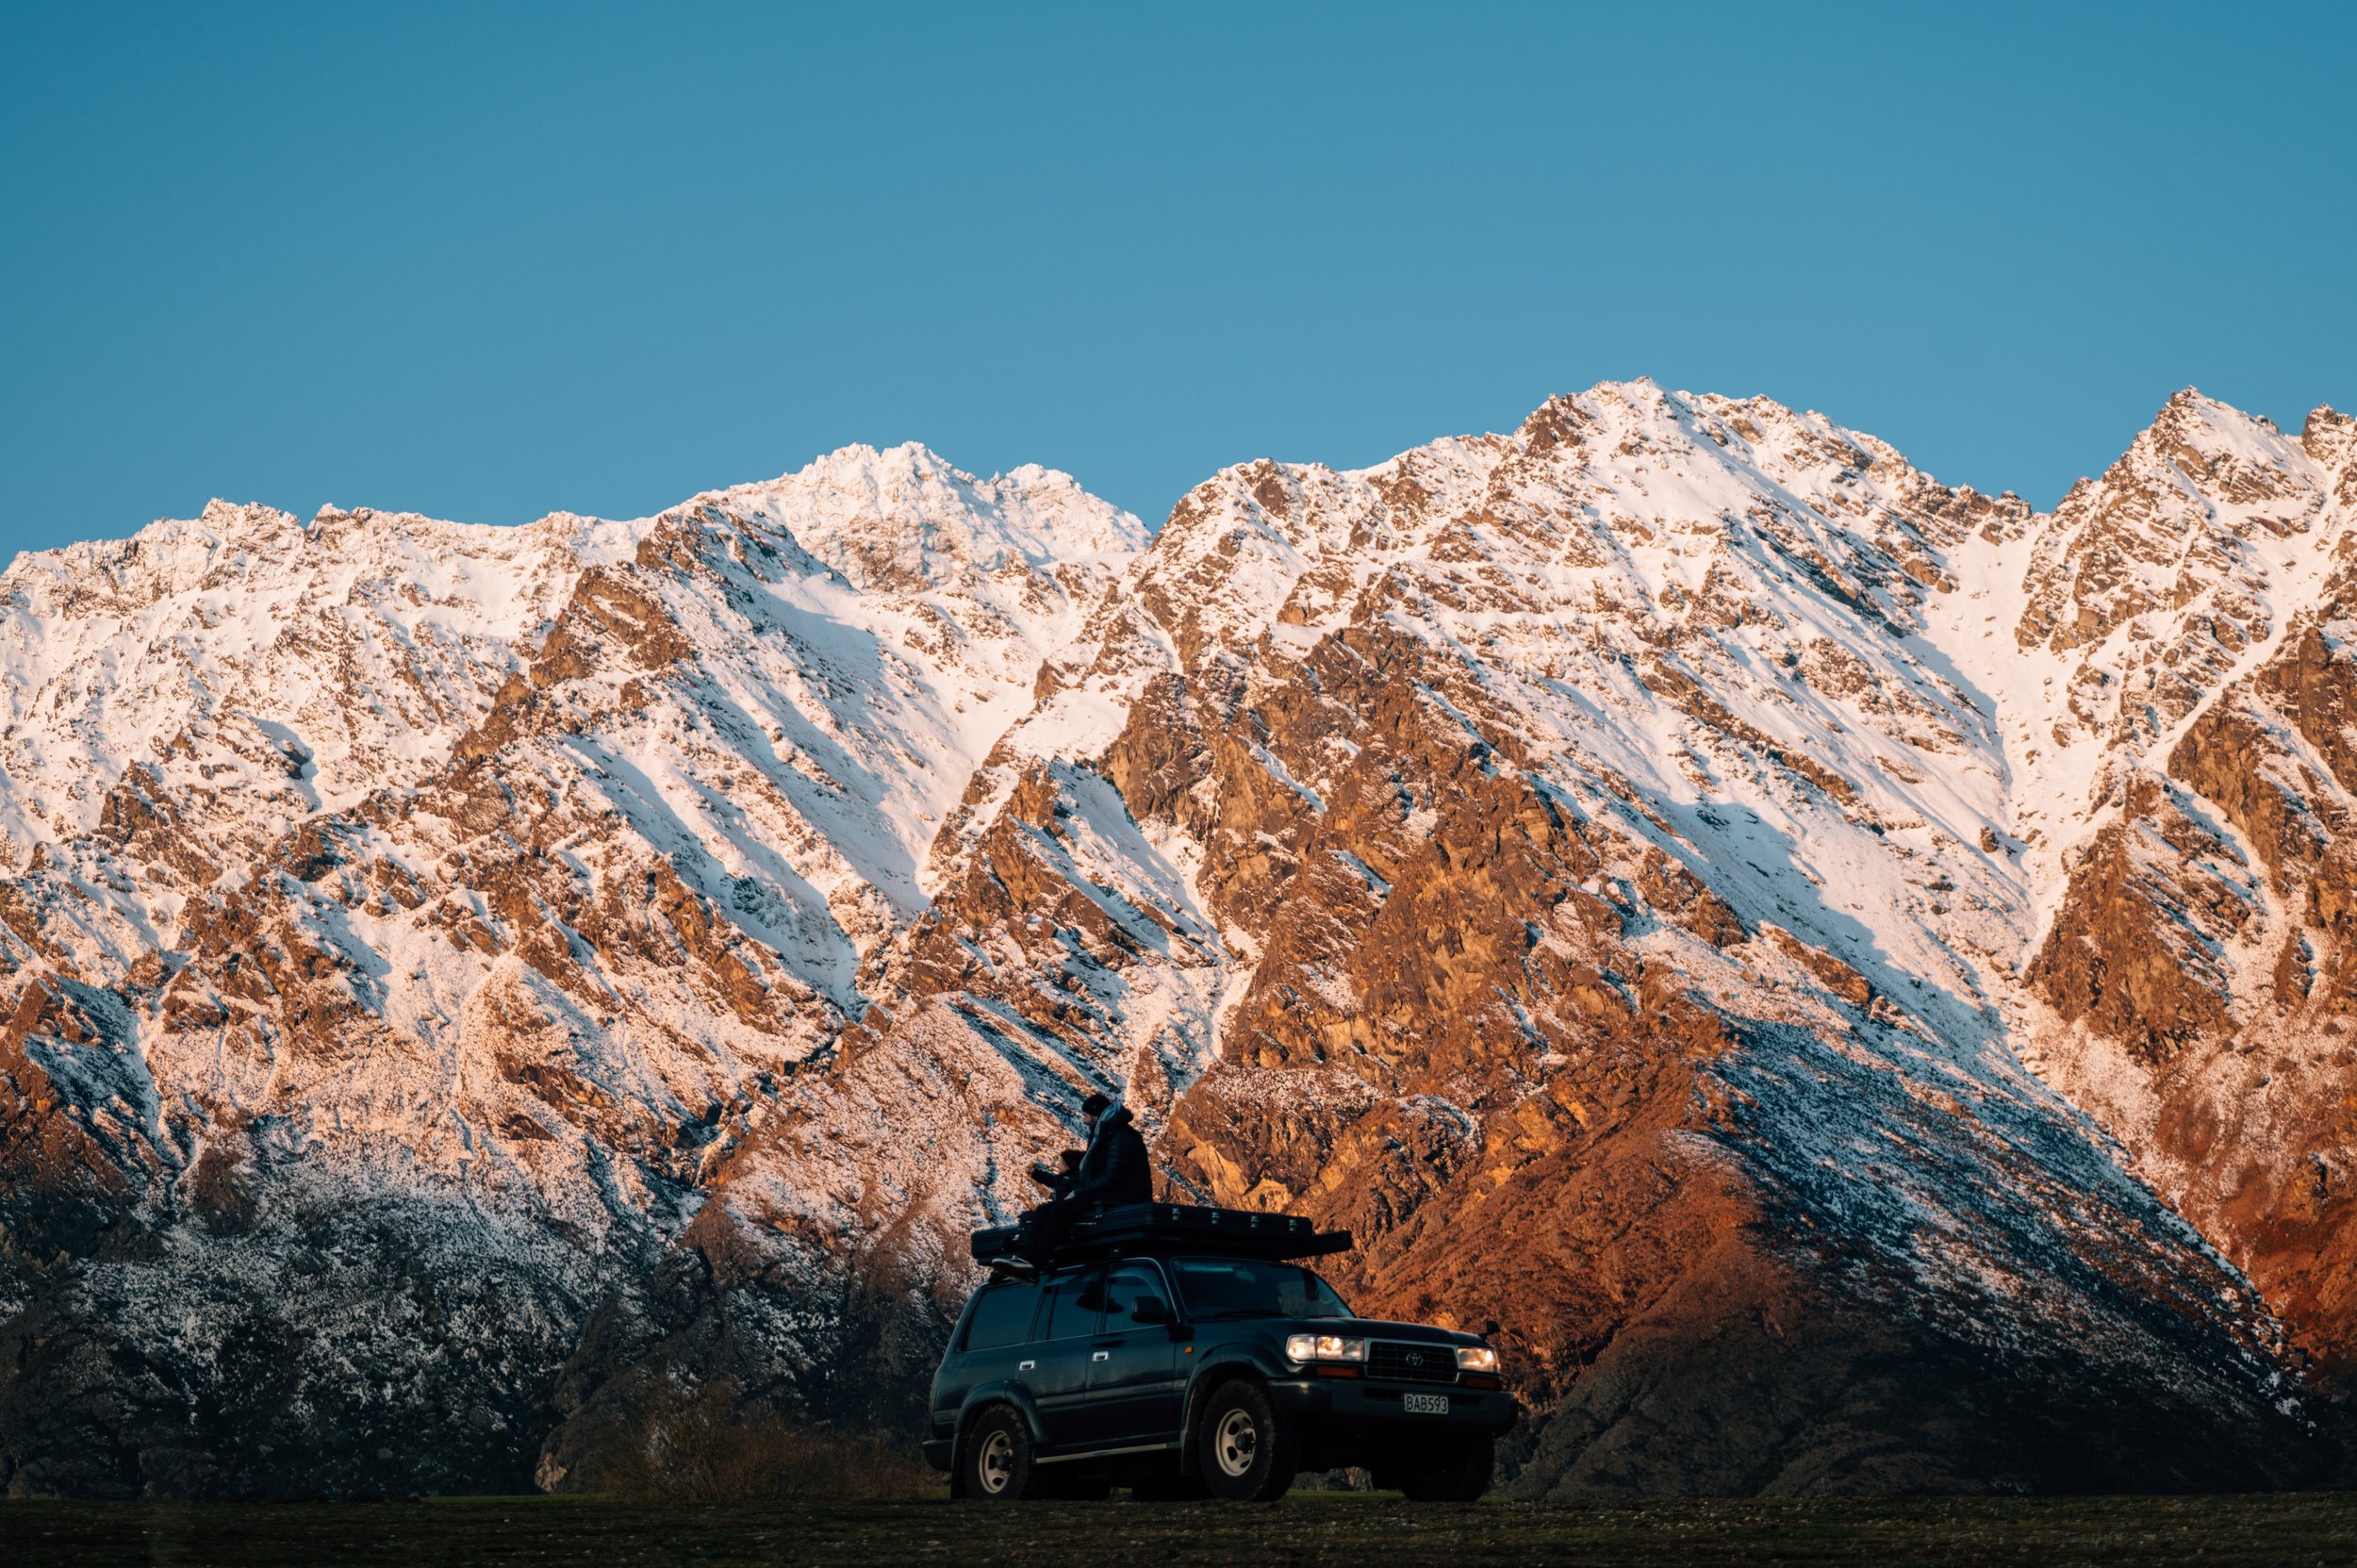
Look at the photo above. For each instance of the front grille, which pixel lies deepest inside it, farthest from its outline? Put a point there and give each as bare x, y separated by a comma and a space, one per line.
1405, 1363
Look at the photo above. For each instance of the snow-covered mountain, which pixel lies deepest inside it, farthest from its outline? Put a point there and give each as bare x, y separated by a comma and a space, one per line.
1843, 967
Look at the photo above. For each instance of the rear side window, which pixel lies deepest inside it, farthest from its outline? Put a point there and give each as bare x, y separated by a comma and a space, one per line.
1073, 1302
1002, 1314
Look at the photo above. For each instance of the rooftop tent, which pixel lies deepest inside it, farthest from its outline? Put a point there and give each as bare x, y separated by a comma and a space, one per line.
1175, 1228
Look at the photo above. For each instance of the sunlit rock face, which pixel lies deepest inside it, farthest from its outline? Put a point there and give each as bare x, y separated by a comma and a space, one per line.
1846, 971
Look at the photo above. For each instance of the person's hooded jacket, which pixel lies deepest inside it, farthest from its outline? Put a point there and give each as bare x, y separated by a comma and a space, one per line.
1115, 1168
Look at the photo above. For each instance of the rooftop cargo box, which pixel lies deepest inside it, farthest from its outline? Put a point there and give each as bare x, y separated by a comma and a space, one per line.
1169, 1228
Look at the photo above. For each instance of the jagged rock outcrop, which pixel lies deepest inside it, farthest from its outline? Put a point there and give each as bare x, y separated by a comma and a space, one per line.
1672, 878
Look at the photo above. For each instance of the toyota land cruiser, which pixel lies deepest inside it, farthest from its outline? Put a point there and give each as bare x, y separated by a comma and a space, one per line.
1185, 1351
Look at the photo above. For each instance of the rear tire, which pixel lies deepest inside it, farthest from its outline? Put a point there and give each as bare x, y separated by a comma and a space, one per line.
1241, 1450
1455, 1475
995, 1464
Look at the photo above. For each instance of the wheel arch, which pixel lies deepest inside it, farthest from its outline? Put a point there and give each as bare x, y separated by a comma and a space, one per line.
985, 1397
1208, 1379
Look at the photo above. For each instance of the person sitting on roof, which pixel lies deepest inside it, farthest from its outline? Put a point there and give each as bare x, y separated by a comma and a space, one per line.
1057, 1182
1114, 1169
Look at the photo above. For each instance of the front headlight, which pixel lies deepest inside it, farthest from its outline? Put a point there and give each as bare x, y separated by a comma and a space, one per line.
1476, 1358
1324, 1347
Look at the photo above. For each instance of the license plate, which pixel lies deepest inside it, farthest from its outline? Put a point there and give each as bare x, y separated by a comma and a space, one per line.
1425, 1404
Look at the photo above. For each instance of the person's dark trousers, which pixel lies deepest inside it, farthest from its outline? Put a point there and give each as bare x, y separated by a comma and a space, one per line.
1043, 1228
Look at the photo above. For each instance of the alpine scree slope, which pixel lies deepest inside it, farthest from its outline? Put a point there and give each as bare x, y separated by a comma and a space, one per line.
1854, 974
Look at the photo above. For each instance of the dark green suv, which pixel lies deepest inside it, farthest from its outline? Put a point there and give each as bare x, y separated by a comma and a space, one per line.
1185, 1351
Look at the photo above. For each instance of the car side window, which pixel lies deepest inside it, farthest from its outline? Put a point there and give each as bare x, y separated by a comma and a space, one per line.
1128, 1286
1073, 1300
1002, 1314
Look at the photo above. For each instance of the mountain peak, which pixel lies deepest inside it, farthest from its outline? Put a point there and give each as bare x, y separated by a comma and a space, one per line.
904, 517
859, 460
2192, 416
166, 555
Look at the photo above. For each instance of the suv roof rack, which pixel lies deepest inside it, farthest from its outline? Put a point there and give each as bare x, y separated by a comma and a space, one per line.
1174, 1228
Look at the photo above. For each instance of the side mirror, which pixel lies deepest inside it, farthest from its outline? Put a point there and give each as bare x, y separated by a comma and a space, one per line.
1151, 1312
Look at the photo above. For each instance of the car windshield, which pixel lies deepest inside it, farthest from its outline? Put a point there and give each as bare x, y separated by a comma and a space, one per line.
1215, 1288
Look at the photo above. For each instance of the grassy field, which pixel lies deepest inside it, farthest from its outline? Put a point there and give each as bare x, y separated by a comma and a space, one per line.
1308, 1527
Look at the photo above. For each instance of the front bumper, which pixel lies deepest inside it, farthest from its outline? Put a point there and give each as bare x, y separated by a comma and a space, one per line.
939, 1452
1341, 1405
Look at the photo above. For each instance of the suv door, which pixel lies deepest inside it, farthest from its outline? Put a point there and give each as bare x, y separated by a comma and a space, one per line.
1056, 1365
1133, 1385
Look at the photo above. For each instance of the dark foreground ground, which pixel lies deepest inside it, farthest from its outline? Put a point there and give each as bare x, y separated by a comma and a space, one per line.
1305, 1529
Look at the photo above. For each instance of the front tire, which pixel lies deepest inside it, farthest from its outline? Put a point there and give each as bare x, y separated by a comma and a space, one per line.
1459, 1475
1241, 1450
997, 1462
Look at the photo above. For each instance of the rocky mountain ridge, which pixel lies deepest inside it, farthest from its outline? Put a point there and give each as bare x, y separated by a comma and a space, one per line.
1845, 968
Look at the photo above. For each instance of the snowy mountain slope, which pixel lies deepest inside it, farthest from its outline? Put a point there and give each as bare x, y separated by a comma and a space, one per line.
241, 673
264, 668
2187, 984
2108, 623
1624, 868
1658, 595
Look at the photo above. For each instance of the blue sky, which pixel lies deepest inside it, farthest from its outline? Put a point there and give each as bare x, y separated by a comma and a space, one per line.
490, 260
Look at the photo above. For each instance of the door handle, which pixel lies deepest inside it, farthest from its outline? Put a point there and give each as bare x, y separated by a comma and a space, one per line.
1024, 1366
1102, 1356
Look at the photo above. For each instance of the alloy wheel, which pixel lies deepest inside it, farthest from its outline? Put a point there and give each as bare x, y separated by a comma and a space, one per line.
1236, 1443
994, 1470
